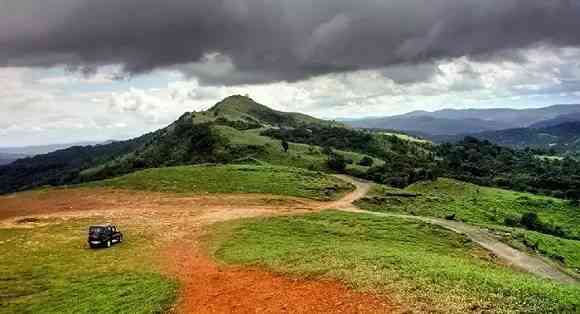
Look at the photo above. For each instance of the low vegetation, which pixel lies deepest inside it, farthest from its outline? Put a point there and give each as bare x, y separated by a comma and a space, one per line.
276, 180
476, 204
427, 268
49, 269
547, 225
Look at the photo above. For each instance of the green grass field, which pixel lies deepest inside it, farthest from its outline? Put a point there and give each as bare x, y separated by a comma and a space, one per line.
424, 267
473, 204
49, 269
489, 207
275, 180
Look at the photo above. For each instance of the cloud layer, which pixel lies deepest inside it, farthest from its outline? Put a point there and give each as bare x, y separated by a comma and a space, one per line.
256, 41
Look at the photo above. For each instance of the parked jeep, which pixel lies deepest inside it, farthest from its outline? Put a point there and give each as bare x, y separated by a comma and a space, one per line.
104, 236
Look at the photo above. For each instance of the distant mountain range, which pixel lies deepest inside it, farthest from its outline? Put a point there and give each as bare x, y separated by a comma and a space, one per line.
564, 137
43, 149
8, 158
466, 121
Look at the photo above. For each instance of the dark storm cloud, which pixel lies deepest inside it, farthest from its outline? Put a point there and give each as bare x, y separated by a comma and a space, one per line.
267, 40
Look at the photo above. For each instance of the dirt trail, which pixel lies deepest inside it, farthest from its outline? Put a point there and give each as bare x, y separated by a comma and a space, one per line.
207, 287
486, 239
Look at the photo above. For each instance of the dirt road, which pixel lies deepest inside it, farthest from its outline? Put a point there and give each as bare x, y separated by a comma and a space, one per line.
533, 264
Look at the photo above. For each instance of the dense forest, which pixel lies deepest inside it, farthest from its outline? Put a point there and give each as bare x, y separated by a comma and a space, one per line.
529, 170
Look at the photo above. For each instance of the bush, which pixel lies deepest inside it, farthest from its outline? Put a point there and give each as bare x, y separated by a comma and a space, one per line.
366, 162
397, 182
327, 151
511, 221
530, 221
337, 162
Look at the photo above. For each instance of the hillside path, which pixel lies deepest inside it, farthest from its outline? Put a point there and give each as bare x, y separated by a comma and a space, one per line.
533, 264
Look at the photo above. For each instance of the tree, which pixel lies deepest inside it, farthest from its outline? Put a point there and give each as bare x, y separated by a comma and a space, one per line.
336, 162
285, 145
573, 196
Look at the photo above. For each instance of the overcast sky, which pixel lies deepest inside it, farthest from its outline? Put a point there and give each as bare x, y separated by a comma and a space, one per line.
75, 70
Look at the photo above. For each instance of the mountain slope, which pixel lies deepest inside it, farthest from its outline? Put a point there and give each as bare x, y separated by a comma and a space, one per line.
428, 124
572, 117
453, 121
6, 158
562, 137
44, 149
233, 131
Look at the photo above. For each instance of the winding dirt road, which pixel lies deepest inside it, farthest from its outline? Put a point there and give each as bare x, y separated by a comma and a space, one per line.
533, 264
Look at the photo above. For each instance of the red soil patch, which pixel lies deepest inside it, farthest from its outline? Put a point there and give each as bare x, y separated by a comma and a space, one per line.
207, 287
79, 200
210, 288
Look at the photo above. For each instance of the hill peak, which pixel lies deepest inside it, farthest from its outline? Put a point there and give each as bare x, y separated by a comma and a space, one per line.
238, 103
244, 108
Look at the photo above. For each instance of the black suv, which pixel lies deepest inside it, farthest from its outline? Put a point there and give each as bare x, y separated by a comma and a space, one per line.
104, 235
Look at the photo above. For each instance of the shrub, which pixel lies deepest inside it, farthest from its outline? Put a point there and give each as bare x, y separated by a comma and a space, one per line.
285, 145
327, 151
511, 221
337, 162
530, 221
366, 161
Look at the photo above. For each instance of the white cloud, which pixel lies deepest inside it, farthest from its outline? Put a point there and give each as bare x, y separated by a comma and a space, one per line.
38, 107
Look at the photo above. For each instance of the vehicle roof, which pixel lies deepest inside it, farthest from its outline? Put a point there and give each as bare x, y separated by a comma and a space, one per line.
103, 226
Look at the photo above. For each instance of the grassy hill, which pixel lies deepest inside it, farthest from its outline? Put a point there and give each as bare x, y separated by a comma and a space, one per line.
236, 130
556, 235
241, 108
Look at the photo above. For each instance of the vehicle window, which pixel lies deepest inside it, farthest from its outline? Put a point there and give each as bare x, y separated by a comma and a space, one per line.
97, 230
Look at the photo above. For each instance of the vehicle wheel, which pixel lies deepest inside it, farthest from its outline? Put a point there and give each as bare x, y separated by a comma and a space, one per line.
109, 243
